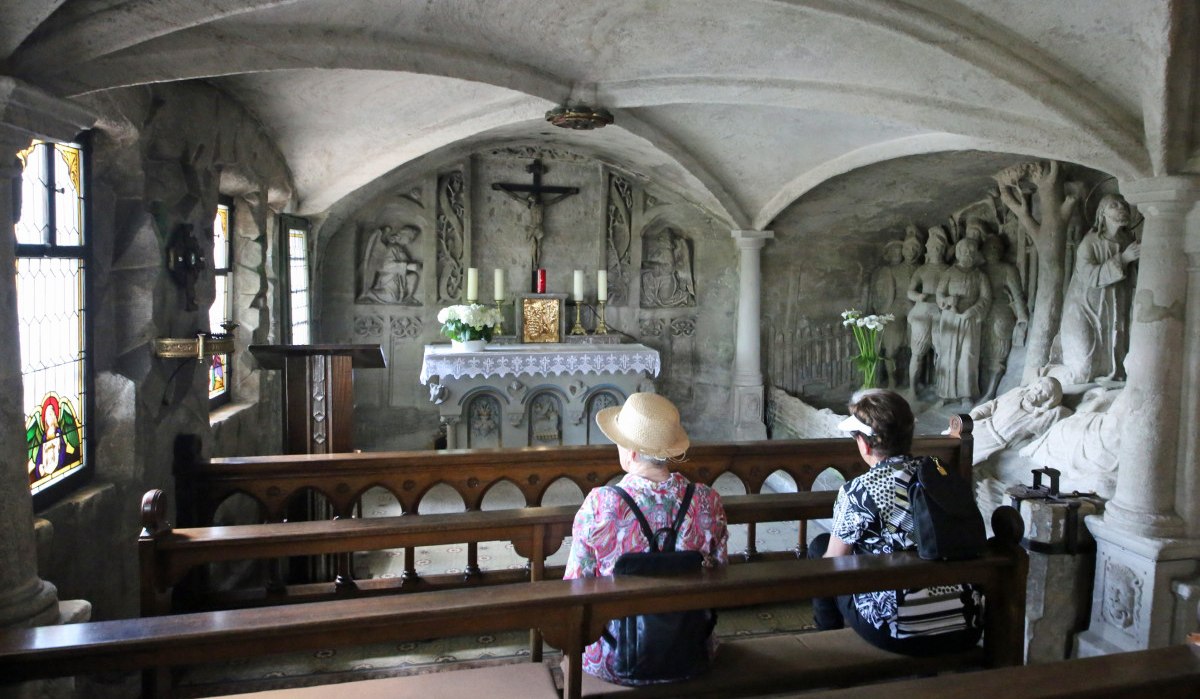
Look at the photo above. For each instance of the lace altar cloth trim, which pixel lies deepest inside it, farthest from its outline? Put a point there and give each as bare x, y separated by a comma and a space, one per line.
539, 360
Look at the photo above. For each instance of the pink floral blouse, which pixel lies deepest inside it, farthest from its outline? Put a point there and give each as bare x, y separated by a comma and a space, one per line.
605, 528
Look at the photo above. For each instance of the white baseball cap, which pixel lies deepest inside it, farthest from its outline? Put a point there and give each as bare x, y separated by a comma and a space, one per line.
853, 424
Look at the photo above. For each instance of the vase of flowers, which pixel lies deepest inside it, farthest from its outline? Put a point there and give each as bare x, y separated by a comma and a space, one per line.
469, 326
866, 335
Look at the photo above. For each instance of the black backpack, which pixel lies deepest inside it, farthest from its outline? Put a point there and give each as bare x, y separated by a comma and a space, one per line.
947, 520
659, 647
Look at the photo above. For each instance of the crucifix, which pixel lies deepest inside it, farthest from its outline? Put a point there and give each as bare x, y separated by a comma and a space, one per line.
531, 195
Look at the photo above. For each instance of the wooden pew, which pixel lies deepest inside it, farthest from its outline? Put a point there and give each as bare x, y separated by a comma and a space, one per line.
275, 482
167, 555
1162, 673
570, 614
342, 479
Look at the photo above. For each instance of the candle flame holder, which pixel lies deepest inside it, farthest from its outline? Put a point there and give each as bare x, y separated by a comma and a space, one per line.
500, 310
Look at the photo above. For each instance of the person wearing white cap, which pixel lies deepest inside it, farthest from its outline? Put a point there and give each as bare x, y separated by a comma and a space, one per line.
871, 516
649, 438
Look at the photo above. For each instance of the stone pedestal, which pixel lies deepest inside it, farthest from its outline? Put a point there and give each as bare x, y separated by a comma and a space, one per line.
1060, 581
747, 367
1134, 598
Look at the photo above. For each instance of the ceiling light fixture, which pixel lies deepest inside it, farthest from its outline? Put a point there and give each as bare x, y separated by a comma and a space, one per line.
579, 117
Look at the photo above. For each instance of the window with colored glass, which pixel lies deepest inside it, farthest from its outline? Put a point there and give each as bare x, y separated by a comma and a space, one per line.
222, 307
51, 266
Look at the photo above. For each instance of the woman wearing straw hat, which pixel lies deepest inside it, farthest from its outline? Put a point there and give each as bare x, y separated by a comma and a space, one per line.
649, 438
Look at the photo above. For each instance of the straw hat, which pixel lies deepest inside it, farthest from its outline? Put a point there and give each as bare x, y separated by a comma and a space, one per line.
647, 423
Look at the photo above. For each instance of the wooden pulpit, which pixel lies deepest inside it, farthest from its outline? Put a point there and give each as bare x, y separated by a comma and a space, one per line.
318, 392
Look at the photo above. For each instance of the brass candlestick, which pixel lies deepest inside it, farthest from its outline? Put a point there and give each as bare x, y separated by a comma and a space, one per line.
500, 311
601, 328
578, 327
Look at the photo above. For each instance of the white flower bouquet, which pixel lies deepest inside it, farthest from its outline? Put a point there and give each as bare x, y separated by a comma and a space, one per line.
866, 334
466, 322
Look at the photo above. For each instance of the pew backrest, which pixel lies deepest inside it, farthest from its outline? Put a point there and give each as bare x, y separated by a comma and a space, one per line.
342, 479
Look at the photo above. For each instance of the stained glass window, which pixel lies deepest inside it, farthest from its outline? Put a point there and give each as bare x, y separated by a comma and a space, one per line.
297, 245
51, 303
220, 310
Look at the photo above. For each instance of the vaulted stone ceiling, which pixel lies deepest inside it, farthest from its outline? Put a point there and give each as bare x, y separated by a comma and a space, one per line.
744, 104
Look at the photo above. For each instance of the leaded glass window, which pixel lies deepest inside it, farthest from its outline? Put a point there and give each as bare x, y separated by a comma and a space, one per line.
297, 246
51, 315
222, 306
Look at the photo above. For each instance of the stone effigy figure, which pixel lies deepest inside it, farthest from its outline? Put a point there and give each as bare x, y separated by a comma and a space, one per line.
1018, 415
963, 295
1007, 312
389, 273
1085, 446
1095, 324
888, 284
925, 314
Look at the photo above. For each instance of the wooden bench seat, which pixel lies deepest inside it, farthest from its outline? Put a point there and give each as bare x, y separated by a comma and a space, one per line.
513, 681
167, 555
1158, 673
747, 667
570, 613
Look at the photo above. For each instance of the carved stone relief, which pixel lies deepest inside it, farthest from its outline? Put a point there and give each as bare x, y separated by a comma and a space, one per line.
806, 357
368, 326
619, 239
1122, 595
451, 236
406, 327
964, 295
599, 401
667, 278
545, 420
483, 422
388, 272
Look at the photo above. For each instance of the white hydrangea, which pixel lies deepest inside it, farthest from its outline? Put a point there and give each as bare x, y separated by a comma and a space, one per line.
468, 321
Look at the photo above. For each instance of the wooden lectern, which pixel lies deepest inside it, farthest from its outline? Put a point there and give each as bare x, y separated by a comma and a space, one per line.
318, 392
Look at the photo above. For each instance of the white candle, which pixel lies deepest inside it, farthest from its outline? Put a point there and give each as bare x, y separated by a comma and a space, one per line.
578, 286
498, 283
602, 285
472, 284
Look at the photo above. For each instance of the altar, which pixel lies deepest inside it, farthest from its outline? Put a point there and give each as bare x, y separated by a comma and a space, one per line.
516, 395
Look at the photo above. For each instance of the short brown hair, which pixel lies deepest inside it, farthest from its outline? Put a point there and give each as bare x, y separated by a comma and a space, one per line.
889, 415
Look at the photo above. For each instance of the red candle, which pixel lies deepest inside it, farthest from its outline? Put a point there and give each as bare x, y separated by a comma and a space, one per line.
541, 281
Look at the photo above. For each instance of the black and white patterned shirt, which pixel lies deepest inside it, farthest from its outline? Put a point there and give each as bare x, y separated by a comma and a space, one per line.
872, 514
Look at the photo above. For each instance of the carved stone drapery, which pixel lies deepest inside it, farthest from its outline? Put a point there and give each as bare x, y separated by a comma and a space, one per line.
667, 270
388, 271
618, 239
451, 236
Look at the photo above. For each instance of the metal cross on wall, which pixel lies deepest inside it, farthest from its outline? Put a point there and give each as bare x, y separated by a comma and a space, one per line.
532, 196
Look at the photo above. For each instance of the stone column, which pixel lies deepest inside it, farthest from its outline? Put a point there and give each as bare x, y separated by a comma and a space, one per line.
25, 599
1141, 549
747, 365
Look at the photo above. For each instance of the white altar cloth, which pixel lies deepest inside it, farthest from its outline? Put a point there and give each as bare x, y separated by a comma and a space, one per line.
538, 360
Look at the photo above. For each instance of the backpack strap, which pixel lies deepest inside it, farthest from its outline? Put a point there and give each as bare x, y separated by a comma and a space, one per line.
668, 534
637, 512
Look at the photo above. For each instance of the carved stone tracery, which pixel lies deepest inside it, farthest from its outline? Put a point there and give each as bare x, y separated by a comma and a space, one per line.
618, 239
451, 236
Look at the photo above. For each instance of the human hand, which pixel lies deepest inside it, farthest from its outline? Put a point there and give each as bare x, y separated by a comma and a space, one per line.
1132, 252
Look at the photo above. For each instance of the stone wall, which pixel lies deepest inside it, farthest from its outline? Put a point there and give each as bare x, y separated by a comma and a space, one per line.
161, 157
672, 275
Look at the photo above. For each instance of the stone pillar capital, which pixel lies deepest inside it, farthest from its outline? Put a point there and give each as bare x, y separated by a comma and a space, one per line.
27, 112
751, 239
1155, 196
